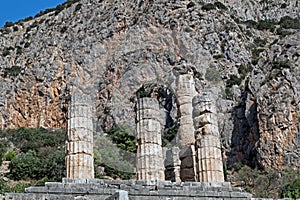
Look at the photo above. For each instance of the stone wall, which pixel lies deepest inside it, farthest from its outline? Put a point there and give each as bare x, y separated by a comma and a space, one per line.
98, 189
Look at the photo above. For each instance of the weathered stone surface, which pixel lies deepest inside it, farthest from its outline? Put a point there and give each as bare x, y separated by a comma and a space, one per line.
209, 157
185, 91
79, 145
99, 189
150, 165
172, 164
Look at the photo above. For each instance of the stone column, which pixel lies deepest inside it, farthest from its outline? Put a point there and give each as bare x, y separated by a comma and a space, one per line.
79, 145
149, 164
208, 147
172, 164
185, 90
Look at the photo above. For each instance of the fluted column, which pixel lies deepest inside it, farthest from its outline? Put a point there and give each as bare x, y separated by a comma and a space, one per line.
79, 145
149, 164
185, 91
208, 147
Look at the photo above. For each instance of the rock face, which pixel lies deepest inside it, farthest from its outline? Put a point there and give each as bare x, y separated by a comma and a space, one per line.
208, 145
79, 146
150, 164
111, 48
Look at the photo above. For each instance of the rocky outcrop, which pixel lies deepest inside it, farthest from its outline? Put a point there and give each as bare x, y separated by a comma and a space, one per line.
79, 145
111, 48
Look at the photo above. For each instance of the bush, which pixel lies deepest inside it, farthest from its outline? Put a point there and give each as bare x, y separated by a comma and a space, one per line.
169, 134
213, 75
2, 151
4, 187
33, 139
25, 166
291, 190
267, 24
19, 187
288, 22
210, 6
116, 163
123, 137
12, 71
78, 7
233, 80
10, 155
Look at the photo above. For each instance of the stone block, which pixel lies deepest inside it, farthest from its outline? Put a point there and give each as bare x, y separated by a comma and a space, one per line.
182, 99
148, 114
149, 125
186, 110
147, 103
79, 147
81, 110
205, 119
208, 129
187, 151
209, 141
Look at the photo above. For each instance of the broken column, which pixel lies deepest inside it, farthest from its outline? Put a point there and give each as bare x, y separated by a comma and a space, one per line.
185, 91
172, 164
79, 146
149, 165
208, 147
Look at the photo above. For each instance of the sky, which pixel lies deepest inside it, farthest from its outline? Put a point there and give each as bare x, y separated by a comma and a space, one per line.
14, 10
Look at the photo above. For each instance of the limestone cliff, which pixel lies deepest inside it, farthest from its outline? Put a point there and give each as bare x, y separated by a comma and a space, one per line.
247, 53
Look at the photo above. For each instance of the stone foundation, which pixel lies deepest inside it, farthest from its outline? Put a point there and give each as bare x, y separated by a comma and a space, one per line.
99, 189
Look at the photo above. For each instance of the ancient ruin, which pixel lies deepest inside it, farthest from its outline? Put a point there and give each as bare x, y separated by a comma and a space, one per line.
208, 145
185, 91
79, 145
150, 165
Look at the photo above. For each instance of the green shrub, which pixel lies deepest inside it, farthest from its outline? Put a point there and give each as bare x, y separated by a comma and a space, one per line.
288, 22
33, 139
2, 151
198, 75
281, 64
233, 80
25, 166
219, 56
19, 187
213, 75
244, 70
284, 5
228, 93
169, 134
10, 155
53, 166
210, 6
78, 7
8, 24
123, 137
291, 190
12, 71
4, 187
116, 162
267, 24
